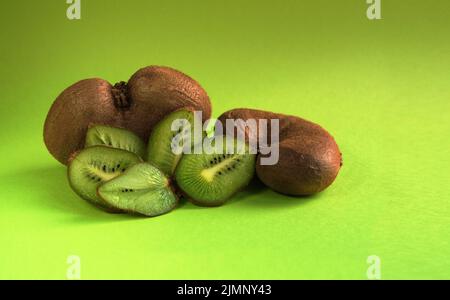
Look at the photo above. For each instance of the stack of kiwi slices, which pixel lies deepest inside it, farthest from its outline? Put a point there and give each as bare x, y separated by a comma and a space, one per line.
119, 173
131, 147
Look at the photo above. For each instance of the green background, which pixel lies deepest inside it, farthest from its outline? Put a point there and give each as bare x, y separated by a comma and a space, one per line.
382, 88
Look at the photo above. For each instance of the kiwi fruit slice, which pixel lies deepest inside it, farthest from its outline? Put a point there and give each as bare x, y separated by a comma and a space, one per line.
309, 158
116, 138
164, 141
210, 179
142, 189
138, 105
95, 165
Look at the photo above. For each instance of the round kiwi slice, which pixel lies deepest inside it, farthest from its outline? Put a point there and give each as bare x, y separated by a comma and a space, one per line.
143, 189
95, 165
163, 140
116, 138
210, 179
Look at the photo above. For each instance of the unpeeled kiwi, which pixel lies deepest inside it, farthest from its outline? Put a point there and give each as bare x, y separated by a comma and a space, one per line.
95, 165
149, 95
211, 179
309, 158
116, 138
143, 189
165, 145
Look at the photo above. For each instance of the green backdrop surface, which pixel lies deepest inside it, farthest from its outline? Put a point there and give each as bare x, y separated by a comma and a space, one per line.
381, 87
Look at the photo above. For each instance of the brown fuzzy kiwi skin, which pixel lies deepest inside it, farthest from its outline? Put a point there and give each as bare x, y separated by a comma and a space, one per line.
157, 91
309, 158
87, 101
150, 94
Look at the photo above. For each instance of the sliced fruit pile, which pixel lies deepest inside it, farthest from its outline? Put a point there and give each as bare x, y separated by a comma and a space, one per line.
111, 166
110, 172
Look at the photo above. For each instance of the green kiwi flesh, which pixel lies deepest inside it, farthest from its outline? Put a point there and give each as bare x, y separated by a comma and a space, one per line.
210, 179
116, 138
95, 165
164, 140
142, 189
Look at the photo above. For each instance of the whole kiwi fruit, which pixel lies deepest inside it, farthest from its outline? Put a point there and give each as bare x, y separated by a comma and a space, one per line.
309, 158
150, 94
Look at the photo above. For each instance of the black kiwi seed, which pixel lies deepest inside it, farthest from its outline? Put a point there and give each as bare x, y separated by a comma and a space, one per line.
104, 168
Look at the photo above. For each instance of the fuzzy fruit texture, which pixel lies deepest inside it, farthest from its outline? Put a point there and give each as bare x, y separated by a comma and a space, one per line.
149, 95
309, 158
